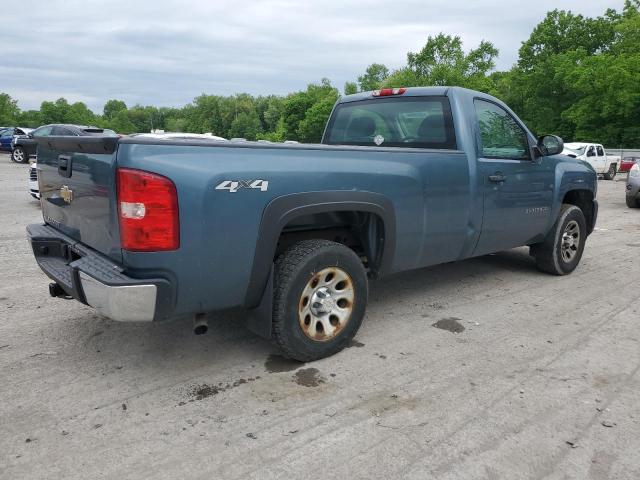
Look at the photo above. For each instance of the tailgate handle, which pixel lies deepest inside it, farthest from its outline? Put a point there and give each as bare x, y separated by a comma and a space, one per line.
64, 165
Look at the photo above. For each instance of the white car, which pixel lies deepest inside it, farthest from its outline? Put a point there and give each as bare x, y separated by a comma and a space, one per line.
594, 154
34, 188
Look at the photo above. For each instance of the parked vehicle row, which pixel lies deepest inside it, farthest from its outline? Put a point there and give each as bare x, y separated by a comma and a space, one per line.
147, 229
24, 146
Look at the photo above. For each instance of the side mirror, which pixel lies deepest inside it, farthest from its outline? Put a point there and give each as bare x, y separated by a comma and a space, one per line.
550, 145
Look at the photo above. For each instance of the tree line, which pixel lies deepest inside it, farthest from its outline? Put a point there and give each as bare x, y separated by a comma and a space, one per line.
576, 77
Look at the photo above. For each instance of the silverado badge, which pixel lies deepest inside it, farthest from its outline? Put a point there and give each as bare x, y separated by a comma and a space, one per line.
66, 193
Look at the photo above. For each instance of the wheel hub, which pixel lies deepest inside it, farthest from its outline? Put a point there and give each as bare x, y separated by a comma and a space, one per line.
570, 241
322, 302
567, 240
326, 304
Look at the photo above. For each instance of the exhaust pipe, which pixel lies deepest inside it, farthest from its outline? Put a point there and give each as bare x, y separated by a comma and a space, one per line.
57, 291
200, 325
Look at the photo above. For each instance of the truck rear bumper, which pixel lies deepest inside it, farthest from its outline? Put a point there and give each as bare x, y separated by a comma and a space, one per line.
126, 303
96, 280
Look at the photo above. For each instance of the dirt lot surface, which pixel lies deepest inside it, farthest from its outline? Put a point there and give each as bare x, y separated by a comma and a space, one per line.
524, 375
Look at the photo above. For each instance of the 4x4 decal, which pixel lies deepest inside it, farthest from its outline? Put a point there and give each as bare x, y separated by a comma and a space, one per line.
234, 185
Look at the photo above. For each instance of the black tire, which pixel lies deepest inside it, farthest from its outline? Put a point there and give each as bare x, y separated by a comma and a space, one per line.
611, 173
632, 202
18, 155
295, 271
549, 254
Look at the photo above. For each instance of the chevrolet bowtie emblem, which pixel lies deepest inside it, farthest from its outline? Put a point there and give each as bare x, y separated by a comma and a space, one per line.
66, 193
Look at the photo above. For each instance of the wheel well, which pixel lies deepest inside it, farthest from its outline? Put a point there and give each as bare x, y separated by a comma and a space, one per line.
583, 199
363, 232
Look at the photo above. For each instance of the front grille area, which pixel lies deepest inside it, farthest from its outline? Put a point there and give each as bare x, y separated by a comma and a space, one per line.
33, 174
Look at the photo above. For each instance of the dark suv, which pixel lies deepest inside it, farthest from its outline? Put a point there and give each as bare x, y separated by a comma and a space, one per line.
24, 146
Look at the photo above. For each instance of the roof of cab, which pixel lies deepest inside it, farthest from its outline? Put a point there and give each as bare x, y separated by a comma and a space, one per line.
411, 92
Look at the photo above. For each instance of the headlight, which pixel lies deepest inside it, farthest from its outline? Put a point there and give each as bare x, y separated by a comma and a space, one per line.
635, 171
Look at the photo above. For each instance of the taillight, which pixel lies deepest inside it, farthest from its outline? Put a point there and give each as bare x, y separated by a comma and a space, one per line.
148, 211
386, 92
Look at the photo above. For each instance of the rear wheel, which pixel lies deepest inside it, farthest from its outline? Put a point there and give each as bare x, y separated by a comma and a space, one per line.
561, 251
611, 173
633, 202
18, 155
320, 297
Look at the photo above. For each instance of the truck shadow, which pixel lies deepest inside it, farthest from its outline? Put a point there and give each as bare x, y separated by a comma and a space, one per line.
462, 275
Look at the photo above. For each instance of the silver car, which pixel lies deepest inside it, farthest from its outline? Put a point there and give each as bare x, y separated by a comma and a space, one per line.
633, 186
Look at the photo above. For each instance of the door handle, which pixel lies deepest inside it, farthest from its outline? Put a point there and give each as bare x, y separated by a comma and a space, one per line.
64, 166
497, 178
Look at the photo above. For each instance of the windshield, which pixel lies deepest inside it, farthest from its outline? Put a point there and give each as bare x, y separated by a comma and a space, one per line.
576, 149
413, 122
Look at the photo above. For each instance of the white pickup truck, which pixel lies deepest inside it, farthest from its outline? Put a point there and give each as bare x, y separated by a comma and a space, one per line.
593, 153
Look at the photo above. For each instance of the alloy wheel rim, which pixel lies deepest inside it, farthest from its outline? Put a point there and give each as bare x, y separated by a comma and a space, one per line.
570, 241
326, 304
18, 155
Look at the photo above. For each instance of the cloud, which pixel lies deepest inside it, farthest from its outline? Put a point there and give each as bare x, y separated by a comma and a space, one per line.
167, 52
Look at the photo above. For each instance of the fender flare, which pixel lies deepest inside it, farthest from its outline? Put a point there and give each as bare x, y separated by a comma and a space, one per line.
569, 181
281, 210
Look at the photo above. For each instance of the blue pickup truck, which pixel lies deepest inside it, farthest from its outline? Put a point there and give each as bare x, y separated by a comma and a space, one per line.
149, 230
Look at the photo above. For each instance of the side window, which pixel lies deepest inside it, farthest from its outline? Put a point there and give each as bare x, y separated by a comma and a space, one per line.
42, 132
600, 151
61, 131
591, 152
6, 133
501, 135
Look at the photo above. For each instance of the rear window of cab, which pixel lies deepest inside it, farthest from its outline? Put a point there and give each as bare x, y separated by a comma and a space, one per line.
410, 122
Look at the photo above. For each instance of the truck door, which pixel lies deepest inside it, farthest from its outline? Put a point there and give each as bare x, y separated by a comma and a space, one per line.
601, 159
592, 158
517, 189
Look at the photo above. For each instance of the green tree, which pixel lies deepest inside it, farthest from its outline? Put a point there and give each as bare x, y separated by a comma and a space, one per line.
350, 88
30, 118
122, 124
442, 61
273, 112
80, 114
297, 105
112, 107
564, 83
9, 111
373, 77
245, 125
55, 112
312, 125
604, 87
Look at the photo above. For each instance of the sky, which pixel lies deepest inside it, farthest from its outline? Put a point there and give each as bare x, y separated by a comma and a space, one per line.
166, 52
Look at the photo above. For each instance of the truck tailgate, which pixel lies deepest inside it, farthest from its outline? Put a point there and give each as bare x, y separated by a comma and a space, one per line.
77, 184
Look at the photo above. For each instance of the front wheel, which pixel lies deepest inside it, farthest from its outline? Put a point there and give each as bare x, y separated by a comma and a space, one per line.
561, 251
18, 155
633, 202
320, 296
611, 173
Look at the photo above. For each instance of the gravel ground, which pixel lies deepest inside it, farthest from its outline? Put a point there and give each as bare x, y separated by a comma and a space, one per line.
541, 383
